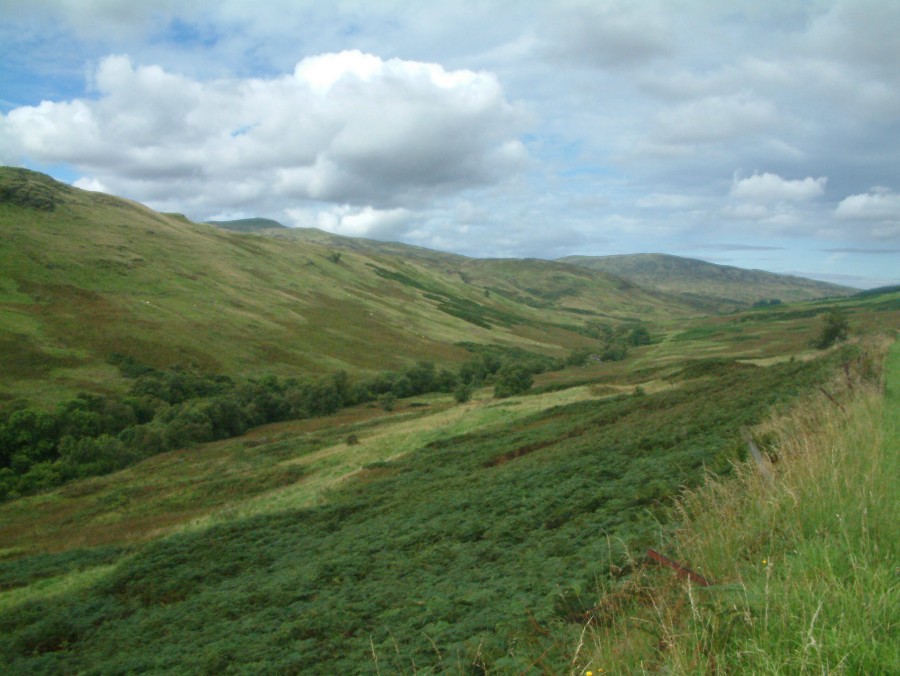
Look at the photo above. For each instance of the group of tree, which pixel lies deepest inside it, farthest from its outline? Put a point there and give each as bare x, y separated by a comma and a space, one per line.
178, 407
614, 340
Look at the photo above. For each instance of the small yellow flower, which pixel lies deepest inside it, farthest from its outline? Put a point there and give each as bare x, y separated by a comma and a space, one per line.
765, 562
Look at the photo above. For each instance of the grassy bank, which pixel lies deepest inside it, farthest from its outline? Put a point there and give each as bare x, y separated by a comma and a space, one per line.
803, 565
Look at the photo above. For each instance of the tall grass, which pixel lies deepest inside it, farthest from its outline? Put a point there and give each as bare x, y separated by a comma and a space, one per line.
803, 564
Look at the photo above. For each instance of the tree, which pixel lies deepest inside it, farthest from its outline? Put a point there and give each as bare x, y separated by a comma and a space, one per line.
512, 379
834, 329
388, 400
639, 336
462, 393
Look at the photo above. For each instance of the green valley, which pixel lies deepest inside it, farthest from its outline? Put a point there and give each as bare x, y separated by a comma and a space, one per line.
282, 451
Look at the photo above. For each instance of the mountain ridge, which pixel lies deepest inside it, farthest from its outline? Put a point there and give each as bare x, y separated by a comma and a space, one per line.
693, 277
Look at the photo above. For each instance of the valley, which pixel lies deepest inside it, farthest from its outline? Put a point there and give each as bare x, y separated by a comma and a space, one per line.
384, 507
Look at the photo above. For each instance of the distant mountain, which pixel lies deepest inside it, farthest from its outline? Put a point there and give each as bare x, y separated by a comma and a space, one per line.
248, 225
701, 280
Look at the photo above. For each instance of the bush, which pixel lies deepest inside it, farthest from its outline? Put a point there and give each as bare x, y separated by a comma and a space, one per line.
835, 328
388, 400
512, 379
462, 393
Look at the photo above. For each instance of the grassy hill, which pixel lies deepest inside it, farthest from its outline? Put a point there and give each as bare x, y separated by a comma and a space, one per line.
248, 225
86, 276
699, 279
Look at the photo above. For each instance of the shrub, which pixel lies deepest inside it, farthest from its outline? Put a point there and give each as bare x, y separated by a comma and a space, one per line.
835, 328
462, 393
512, 379
388, 400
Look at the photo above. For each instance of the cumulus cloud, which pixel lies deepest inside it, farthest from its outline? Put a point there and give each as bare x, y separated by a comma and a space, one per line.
352, 221
347, 128
767, 188
879, 204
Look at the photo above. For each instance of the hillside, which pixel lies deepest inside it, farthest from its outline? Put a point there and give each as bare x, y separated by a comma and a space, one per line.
698, 279
87, 276
432, 538
248, 225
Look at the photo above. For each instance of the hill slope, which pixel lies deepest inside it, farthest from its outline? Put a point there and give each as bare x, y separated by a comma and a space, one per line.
700, 279
85, 276
248, 225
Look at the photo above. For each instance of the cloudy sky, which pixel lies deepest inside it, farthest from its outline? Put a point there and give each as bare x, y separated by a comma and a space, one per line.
759, 133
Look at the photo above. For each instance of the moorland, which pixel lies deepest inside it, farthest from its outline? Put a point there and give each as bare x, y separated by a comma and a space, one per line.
252, 449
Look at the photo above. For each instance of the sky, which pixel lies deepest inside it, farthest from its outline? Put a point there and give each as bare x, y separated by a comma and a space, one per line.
762, 133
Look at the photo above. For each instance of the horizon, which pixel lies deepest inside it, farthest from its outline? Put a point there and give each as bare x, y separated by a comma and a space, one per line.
757, 135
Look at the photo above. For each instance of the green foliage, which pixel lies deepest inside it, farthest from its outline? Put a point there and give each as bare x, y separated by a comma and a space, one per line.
579, 357
512, 379
462, 393
180, 408
509, 531
834, 329
803, 562
639, 335
388, 401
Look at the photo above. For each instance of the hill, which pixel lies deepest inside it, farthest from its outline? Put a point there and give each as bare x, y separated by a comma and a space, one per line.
248, 225
88, 277
698, 279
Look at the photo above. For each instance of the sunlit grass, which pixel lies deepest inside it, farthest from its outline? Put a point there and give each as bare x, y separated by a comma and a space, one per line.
804, 567
46, 589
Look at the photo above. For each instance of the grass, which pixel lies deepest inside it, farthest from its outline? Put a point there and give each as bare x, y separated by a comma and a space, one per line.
152, 283
804, 567
446, 537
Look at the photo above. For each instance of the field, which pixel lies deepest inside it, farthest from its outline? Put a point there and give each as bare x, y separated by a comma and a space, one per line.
445, 537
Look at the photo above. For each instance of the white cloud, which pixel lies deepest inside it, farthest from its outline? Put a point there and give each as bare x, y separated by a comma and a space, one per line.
715, 119
879, 204
607, 34
766, 188
345, 127
354, 222
91, 184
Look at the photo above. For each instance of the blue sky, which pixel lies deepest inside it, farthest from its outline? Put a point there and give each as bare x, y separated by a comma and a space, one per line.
759, 134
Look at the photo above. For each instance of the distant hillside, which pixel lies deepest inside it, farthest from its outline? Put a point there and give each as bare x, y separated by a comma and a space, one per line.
86, 276
248, 224
699, 279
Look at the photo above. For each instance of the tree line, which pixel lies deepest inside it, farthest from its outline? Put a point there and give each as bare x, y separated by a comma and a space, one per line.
180, 407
